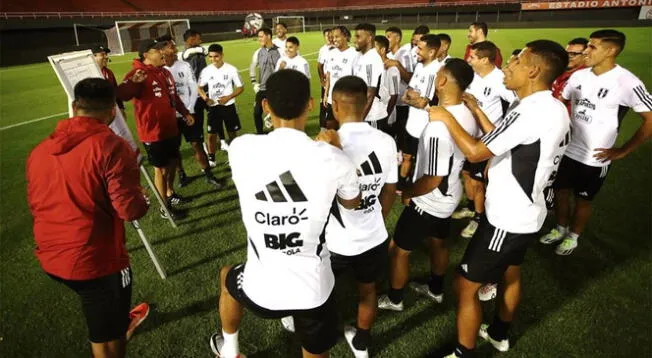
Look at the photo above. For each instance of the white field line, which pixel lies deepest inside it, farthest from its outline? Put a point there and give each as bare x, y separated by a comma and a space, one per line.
62, 113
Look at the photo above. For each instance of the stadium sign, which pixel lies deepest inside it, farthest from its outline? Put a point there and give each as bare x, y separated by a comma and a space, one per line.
589, 4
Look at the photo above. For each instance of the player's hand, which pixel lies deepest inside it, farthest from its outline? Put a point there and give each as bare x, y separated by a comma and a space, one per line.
324, 101
606, 154
282, 65
210, 102
189, 119
470, 101
405, 198
256, 87
139, 76
391, 63
331, 137
223, 100
438, 113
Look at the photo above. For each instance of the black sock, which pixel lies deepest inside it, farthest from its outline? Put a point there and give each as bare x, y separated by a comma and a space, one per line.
207, 172
436, 284
463, 352
477, 217
470, 205
362, 339
181, 173
498, 329
395, 295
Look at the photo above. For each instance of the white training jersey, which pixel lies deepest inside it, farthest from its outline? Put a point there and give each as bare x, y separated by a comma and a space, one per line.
185, 82
221, 81
489, 91
323, 53
391, 86
369, 67
281, 45
285, 192
352, 232
438, 155
413, 56
339, 64
442, 62
402, 55
296, 63
528, 145
423, 81
598, 105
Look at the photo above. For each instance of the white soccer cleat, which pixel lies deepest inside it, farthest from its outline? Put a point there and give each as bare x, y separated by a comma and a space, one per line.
488, 292
566, 247
463, 213
502, 346
349, 333
424, 290
212, 163
384, 303
217, 342
288, 323
553, 236
452, 355
224, 145
470, 229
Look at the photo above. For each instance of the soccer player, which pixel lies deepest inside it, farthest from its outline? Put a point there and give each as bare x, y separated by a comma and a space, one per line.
432, 198
156, 103
224, 85
576, 61
339, 63
186, 86
599, 96
292, 60
101, 55
265, 58
420, 93
524, 149
195, 54
478, 32
285, 193
446, 42
391, 86
82, 184
514, 55
281, 30
402, 55
369, 67
493, 98
321, 60
407, 64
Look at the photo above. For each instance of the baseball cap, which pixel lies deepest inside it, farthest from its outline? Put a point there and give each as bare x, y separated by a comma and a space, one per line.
100, 48
149, 44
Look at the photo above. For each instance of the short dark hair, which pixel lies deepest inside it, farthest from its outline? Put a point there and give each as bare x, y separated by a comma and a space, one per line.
190, 33
293, 40
432, 41
382, 41
554, 56
516, 52
579, 41
288, 93
461, 72
265, 30
445, 37
395, 30
613, 37
326, 30
421, 30
485, 49
94, 95
165, 38
282, 24
482, 26
216, 48
344, 30
353, 86
367, 27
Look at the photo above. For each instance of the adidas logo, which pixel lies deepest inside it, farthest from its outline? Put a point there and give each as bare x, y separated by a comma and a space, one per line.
465, 267
287, 191
366, 166
584, 193
479, 175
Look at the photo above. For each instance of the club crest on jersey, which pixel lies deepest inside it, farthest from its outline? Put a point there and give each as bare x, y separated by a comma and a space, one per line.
182, 75
602, 93
226, 77
345, 60
487, 91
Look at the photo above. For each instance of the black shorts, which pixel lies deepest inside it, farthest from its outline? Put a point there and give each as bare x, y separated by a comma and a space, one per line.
491, 251
585, 180
414, 225
161, 153
329, 119
106, 302
315, 327
411, 144
223, 116
476, 170
367, 266
381, 124
193, 133
399, 126
322, 111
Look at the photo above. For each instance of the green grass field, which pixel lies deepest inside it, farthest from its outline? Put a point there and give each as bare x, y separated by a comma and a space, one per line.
595, 303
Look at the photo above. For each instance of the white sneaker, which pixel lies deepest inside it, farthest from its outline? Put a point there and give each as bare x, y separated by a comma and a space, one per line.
384, 303
463, 213
224, 145
470, 229
217, 342
424, 290
566, 247
502, 346
349, 333
488, 292
553, 236
452, 355
212, 163
288, 323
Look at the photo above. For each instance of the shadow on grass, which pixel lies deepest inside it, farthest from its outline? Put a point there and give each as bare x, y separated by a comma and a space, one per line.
207, 259
185, 234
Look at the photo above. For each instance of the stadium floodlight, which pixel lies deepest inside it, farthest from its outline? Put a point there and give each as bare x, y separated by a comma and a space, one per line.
294, 23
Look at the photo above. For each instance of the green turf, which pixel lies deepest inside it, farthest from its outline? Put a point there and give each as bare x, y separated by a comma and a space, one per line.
595, 303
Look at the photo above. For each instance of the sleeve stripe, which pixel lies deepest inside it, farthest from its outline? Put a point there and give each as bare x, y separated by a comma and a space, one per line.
511, 118
434, 154
431, 81
369, 73
395, 82
642, 94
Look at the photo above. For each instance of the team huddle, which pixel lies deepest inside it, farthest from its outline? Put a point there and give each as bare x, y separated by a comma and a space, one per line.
405, 121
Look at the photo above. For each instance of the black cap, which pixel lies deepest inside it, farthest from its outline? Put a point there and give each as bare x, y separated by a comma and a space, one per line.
100, 48
149, 44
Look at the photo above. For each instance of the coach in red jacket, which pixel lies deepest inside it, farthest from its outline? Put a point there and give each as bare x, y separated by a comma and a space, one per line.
101, 55
82, 184
156, 103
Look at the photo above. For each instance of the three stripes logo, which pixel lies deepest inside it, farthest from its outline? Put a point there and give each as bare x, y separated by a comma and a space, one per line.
371, 166
284, 189
125, 277
566, 140
497, 240
602, 92
643, 96
502, 127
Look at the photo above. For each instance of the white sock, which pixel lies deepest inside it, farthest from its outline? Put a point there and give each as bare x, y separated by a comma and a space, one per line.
573, 235
562, 229
231, 348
